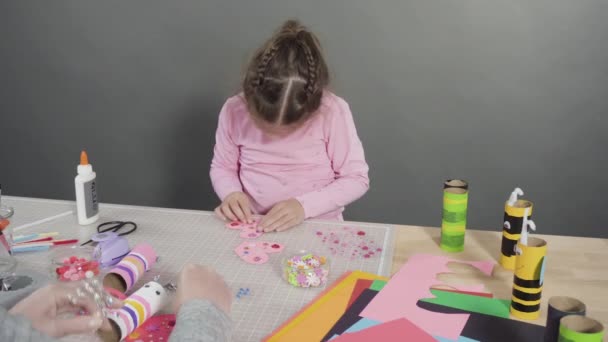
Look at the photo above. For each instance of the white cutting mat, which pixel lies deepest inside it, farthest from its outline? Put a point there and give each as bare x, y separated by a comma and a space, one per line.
182, 236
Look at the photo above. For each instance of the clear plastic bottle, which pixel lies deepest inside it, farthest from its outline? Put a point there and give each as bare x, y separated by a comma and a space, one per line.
87, 205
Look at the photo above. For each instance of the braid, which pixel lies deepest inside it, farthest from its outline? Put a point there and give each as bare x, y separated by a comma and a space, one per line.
263, 65
312, 68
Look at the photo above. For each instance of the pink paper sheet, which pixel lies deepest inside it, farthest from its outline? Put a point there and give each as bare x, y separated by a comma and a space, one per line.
413, 282
398, 330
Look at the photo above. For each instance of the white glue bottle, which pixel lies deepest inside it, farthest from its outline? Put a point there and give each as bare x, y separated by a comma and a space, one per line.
87, 206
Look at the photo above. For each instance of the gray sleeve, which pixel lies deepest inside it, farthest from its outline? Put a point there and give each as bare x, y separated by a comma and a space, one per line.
17, 328
199, 320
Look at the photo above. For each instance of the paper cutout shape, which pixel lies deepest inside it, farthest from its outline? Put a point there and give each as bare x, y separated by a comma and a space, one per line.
412, 282
360, 286
313, 321
349, 242
397, 330
482, 327
257, 252
157, 328
248, 230
470, 293
488, 306
351, 321
351, 316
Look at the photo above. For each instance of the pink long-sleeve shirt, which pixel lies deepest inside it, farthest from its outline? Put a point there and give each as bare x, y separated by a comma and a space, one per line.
321, 164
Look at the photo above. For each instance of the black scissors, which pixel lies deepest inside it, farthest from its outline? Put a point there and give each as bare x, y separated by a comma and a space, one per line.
115, 226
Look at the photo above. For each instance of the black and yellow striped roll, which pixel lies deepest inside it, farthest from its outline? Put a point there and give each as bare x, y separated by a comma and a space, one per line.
511, 230
528, 279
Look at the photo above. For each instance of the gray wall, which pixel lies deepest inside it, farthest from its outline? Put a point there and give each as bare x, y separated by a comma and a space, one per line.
501, 93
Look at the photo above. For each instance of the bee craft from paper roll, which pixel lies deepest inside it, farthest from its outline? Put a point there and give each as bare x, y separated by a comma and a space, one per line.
515, 211
576, 328
131, 268
528, 279
139, 306
454, 218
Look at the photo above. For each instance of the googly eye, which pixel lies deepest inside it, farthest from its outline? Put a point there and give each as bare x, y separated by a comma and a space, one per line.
506, 225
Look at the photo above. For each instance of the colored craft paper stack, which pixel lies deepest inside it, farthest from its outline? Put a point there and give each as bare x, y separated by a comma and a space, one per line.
454, 218
363, 307
528, 279
515, 210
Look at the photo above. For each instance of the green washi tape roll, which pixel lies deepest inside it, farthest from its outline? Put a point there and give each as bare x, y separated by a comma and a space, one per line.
454, 218
575, 328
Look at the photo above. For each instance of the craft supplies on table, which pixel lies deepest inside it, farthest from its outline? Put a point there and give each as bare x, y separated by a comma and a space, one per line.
87, 203
74, 263
182, 236
306, 269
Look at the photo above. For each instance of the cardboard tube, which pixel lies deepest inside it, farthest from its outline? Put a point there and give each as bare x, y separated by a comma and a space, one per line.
576, 328
139, 306
560, 307
528, 279
454, 218
512, 225
131, 268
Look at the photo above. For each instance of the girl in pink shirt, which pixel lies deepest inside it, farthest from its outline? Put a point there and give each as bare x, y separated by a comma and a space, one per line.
286, 147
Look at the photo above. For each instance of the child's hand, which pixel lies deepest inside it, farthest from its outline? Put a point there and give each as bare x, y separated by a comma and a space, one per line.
200, 282
283, 216
236, 207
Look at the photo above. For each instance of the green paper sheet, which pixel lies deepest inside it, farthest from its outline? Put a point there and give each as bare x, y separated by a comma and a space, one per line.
489, 306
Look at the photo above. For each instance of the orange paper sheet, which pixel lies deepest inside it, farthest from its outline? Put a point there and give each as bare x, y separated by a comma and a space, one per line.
316, 319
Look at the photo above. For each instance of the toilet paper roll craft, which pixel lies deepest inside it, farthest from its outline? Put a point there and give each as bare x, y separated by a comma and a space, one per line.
138, 308
124, 275
528, 279
559, 307
515, 210
454, 218
576, 328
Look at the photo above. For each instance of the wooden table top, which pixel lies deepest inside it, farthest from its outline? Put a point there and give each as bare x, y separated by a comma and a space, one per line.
576, 266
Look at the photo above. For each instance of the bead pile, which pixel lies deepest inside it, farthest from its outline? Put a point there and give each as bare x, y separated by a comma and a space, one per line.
242, 292
74, 269
306, 270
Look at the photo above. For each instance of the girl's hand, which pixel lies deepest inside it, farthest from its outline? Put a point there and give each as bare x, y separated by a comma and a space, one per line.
236, 207
283, 216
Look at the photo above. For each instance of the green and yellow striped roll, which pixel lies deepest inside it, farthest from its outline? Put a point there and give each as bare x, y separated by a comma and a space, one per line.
454, 218
576, 328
